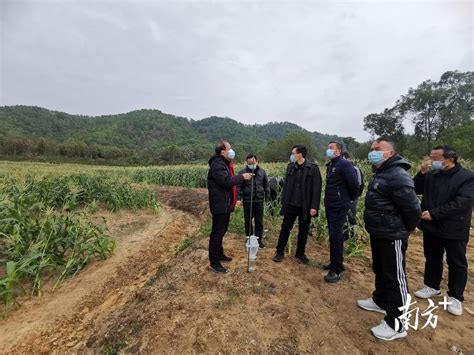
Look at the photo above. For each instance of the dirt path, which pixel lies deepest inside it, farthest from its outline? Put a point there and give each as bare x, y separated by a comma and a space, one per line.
146, 299
145, 241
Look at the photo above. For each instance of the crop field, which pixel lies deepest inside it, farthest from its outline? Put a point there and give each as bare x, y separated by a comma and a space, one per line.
45, 222
96, 242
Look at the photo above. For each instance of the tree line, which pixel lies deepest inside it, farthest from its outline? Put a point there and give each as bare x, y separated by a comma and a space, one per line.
440, 112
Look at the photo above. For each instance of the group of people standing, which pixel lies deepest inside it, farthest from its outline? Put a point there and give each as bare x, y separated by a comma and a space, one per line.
392, 212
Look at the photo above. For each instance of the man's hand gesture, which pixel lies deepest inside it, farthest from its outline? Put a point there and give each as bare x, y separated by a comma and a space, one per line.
247, 176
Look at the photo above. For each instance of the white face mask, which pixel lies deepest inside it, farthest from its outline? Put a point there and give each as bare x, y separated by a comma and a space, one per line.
437, 165
331, 153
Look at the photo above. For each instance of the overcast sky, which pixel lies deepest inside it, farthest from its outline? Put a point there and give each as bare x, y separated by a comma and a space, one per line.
322, 65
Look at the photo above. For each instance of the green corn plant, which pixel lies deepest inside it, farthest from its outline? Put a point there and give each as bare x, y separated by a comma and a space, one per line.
9, 284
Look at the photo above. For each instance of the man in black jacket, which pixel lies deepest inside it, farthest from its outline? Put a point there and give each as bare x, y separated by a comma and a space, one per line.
342, 189
222, 187
392, 212
448, 196
254, 200
300, 199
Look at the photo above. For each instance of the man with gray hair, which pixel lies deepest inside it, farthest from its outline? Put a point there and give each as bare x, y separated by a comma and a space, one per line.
392, 212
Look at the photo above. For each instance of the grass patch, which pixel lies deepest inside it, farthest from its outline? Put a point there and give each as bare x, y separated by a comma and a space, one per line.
188, 242
120, 340
237, 222
206, 228
185, 244
113, 347
231, 297
162, 271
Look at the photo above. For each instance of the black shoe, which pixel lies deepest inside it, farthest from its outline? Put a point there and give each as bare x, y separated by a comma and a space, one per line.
302, 259
218, 268
278, 257
326, 266
225, 258
261, 245
332, 277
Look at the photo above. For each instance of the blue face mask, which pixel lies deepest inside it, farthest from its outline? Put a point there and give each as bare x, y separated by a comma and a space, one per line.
330, 153
231, 154
376, 157
293, 158
437, 165
252, 166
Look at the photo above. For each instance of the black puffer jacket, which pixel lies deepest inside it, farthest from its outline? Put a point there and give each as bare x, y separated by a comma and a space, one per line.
261, 187
392, 209
311, 196
220, 185
448, 196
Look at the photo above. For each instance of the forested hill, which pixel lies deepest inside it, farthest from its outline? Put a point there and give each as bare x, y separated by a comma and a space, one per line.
142, 136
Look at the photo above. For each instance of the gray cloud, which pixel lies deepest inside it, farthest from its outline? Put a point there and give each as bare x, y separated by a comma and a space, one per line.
322, 65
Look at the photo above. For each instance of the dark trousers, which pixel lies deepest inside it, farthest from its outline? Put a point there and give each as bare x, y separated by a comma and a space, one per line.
289, 218
336, 219
434, 249
391, 286
257, 217
220, 223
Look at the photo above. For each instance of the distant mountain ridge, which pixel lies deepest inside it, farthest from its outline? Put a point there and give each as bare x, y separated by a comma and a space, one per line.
140, 130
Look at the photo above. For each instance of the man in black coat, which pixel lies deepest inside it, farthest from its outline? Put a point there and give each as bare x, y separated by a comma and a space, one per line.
392, 212
300, 199
342, 187
448, 196
254, 193
222, 187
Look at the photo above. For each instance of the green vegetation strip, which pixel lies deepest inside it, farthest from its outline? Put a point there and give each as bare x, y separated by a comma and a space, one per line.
45, 227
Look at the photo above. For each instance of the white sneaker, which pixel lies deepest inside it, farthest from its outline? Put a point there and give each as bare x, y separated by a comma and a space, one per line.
455, 307
385, 332
427, 292
370, 305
